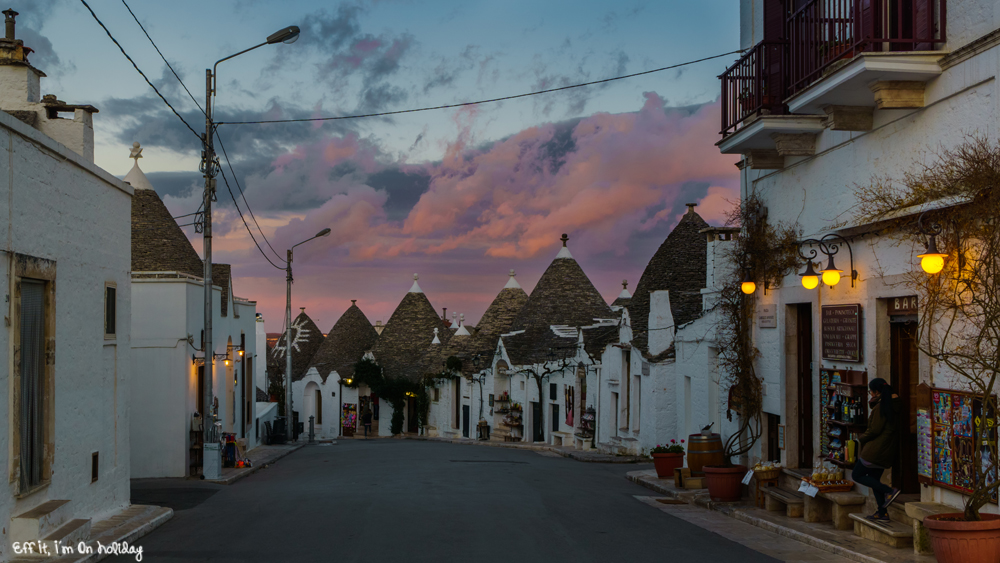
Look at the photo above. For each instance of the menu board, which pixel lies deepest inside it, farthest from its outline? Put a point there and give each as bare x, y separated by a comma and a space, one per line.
925, 457
957, 427
841, 332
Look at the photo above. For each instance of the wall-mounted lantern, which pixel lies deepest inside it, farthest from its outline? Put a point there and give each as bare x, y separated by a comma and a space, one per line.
829, 245
931, 261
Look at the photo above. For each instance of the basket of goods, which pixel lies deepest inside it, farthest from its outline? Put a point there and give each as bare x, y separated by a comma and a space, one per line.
767, 470
829, 479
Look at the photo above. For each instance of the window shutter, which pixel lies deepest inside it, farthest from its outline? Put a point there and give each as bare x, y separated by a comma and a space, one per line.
110, 309
32, 378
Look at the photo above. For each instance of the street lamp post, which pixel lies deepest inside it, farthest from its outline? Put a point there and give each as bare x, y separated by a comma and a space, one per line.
210, 168
288, 334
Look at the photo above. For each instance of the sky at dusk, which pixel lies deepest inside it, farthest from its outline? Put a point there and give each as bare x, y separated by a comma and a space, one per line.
460, 196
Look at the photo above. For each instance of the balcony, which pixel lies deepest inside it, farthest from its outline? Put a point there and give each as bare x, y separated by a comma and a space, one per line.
822, 33
756, 85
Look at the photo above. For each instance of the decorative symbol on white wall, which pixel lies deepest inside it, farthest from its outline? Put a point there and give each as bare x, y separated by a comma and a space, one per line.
299, 335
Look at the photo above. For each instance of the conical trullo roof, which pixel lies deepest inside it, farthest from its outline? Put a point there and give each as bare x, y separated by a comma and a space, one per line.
678, 266
402, 348
346, 343
499, 317
306, 340
564, 296
158, 244
623, 298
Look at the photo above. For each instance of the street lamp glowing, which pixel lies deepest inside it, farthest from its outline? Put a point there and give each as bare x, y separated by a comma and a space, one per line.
809, 278
748, 287
831, 275
932, 261
287, 35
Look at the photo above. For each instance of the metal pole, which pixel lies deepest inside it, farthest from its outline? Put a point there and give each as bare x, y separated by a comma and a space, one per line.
209, 166
288, 347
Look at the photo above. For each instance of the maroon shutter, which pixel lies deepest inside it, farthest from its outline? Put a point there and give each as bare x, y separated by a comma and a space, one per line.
923, 25
773, 87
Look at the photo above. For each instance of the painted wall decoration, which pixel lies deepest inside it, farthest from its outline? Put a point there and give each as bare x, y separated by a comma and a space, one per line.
349, 417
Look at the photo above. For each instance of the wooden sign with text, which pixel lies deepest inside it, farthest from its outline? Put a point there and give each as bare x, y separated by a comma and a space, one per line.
841, 332
902, 305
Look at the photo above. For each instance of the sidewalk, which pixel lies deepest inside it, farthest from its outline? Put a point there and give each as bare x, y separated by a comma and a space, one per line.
819, 535
259, 457
579, 455
127, 526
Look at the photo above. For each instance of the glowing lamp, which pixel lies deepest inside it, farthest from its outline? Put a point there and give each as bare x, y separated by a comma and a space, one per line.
810, 279
226, 361
240, 352
748, 286
932, 261
348, 381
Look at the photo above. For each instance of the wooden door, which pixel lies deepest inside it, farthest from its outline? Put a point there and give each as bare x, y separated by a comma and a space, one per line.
805, 382
904, 378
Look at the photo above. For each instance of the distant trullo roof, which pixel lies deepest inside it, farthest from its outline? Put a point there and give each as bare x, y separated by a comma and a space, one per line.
624, 297
401, 349
306, 340
678, 266
345, 344
564, 296
499, 317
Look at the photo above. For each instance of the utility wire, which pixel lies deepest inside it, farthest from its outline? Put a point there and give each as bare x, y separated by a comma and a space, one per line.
231, 194
162, 57
243, 195
492, 100
195, 133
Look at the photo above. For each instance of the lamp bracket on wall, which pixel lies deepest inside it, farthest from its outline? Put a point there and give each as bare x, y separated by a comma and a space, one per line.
829, 245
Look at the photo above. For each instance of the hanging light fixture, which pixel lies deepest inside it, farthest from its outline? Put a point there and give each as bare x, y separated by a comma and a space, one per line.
831, 275
748, 286
809, 278
931, 261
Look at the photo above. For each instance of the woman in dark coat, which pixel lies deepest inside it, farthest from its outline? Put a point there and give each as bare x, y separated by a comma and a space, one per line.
879, 446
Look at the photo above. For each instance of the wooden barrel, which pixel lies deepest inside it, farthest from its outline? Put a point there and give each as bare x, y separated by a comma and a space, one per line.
704, 450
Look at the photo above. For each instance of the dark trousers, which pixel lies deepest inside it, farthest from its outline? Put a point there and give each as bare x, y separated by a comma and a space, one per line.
871, 478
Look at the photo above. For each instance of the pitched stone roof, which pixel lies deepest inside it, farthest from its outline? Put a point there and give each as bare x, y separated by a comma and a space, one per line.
563, 296
158, 244
498, 318
222, 275
678, 266
346, 343
401, 349
262, 397
306, 339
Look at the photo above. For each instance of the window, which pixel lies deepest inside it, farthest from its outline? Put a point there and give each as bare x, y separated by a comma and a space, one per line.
552, 391
437, 394
110, 310
93, 467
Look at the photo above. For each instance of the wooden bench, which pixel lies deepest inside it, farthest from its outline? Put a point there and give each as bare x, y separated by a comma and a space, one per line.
834, 507
779, 499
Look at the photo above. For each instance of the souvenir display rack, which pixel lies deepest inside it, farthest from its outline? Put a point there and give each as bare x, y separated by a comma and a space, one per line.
501, 404
949, 431
843, 413
513, 421
586, 428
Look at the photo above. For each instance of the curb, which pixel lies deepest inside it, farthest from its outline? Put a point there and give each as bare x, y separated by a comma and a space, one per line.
247, 471
578, 456
734, 511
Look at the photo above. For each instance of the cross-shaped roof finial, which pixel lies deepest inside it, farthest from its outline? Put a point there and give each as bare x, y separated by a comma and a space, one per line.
564, 238
624, 284
136, 152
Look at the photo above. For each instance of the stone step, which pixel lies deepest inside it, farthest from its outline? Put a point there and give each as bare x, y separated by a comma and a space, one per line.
889, 533
69, 535
40, 521
917, 511
777, 499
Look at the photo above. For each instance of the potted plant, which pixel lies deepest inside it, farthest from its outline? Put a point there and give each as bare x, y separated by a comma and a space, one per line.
668, 458
764, 253
958, 311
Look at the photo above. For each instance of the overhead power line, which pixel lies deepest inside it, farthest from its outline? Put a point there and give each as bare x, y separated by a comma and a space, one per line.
491, 100
162, 57
259, 249
243, 195
122, 49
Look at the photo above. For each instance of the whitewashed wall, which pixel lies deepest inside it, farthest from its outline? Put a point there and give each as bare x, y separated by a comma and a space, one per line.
58, 206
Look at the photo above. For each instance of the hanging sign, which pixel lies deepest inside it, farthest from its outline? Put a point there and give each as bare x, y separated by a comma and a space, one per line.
841, 332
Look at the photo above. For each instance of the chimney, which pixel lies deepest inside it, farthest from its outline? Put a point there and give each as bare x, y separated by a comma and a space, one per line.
444, 314
9, 16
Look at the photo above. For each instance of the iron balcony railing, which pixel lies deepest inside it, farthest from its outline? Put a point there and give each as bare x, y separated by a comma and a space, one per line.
822, 32
755, 85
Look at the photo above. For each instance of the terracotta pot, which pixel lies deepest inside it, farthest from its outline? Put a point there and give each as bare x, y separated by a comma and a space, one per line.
666, 463
725, 483
957, 541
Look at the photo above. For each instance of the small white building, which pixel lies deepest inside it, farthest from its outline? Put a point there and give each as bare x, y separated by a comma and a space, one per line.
67, 310
167, 334
320, 390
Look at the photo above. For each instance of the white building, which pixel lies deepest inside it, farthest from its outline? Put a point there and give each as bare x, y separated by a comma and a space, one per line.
873, 104
168, 304
66, 341
320, 390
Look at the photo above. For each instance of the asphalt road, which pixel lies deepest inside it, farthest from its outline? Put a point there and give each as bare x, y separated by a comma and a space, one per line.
408, 501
